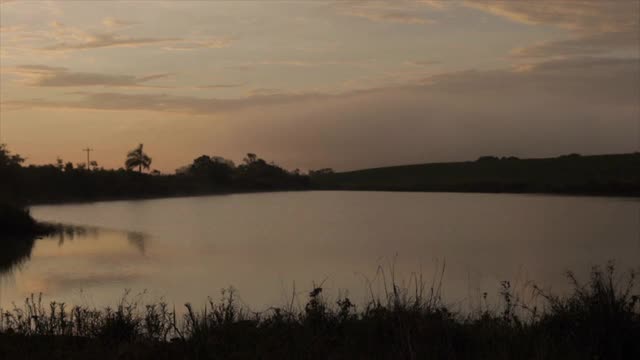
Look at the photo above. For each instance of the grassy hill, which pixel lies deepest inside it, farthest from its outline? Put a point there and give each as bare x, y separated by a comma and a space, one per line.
574, 174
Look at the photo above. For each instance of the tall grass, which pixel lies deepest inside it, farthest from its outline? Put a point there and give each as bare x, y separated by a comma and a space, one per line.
597, 320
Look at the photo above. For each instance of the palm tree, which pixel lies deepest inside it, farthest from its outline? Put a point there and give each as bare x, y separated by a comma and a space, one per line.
137, 158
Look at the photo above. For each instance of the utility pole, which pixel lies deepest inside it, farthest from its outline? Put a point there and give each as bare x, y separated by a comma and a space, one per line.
88, 150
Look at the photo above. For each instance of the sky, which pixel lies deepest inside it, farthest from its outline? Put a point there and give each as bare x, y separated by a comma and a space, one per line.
315, 84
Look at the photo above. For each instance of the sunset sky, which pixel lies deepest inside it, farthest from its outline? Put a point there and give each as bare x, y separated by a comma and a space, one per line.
313, 84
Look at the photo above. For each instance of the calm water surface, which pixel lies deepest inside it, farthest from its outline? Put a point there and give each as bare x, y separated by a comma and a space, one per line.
186, 249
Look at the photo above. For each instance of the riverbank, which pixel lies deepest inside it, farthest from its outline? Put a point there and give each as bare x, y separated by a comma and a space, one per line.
17, 223
599, 319
18, 232
226, 193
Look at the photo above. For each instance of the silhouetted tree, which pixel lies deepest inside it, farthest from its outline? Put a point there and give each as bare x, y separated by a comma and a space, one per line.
59, 164
212, 168
250, 159
137, 158
320, 172
7, 159
10, 166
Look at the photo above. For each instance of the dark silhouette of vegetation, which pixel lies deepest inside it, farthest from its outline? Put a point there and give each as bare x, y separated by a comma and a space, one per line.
18, 231
137, 158
10, 169
15, 251
17, 223
569, 174
63, 181
598, 320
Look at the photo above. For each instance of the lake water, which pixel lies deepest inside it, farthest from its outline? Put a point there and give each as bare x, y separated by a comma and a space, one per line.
266, 245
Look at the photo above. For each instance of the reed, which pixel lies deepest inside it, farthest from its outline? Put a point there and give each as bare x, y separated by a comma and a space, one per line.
598, 319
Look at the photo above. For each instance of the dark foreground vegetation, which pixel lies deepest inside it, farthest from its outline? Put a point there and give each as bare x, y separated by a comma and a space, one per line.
598, 320
571, 174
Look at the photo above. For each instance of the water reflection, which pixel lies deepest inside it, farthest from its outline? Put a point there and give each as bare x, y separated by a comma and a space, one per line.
68, 233
15, 251
263, 244
92, 246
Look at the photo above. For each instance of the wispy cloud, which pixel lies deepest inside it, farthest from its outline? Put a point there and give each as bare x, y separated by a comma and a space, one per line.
387, 16
64, 38
580, 15
219, 86
114, 23
586, 105
423, 62
596, 44
265, 91
382, 12
94, 41
616, 72
303, 63
47, 76
193, 44
10, 29
596, 27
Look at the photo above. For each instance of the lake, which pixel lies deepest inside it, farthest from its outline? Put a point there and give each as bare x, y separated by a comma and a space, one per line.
270, 245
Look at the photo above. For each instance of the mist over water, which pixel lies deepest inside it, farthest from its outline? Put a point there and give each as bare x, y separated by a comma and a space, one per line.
269, 245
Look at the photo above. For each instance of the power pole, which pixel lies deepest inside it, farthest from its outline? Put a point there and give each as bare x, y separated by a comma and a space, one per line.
88, 150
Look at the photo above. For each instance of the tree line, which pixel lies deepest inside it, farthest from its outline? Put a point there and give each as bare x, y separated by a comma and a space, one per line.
62, 181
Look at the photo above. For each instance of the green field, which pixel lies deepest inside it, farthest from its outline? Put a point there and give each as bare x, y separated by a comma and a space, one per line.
574, 174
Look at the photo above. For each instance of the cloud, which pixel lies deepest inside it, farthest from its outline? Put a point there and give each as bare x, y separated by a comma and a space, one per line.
104, 40
601, 43
10, 29
114, 23
387, 16
596, 27
242, 67
265, 91
51, 76
47, 76
299, 63
570, 77
165, 102
585, 105
580, 15
423, 62
435, 4
63, 38
382, 12
219, 86
193, 44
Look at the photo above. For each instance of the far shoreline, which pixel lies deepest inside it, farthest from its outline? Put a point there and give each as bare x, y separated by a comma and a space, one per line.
248, 192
